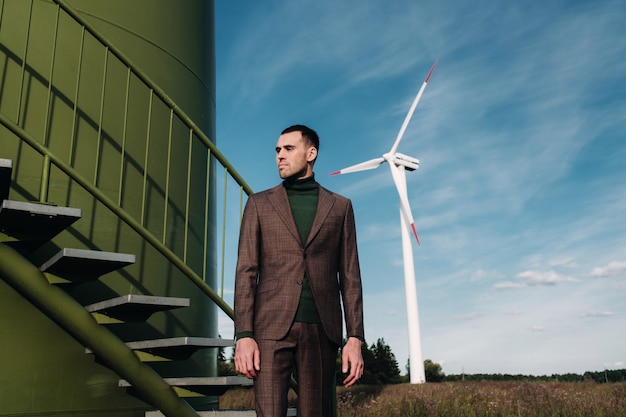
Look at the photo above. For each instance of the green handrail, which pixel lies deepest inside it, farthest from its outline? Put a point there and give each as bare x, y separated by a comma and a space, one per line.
120, 212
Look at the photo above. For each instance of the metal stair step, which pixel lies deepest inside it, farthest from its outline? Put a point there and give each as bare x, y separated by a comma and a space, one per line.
33, 224
6, 167
291, 412
208, 385
81, 265
136, 308
176, 348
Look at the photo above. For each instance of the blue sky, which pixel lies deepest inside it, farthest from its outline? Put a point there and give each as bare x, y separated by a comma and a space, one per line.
521, 193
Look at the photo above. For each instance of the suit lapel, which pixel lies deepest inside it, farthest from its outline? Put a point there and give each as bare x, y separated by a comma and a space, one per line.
280, 202
325, 202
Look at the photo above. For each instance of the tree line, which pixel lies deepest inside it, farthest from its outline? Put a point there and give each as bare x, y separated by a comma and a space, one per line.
606, 376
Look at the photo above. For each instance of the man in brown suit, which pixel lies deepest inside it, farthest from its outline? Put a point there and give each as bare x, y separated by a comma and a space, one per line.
297, 263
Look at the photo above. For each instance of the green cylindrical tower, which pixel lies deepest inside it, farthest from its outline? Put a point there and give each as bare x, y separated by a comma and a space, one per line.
171, 41
82, 104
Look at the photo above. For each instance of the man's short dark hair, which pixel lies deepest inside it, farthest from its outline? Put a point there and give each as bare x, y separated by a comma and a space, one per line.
308, 134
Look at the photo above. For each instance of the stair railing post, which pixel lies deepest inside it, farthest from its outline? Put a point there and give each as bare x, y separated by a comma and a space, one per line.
45, 180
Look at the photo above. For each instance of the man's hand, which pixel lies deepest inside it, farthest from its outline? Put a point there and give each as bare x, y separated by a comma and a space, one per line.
352, 360
247, 357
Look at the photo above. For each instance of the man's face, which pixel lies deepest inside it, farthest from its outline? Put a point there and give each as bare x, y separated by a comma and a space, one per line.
294, 157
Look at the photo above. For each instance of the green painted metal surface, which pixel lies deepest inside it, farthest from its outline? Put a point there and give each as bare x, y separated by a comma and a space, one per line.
61, 86
58, 306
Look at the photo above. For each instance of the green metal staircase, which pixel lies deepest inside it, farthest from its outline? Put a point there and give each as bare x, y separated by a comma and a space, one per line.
25, 227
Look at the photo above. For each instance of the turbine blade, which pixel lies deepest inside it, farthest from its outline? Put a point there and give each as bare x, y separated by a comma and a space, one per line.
407, 119
399, 179
363, 166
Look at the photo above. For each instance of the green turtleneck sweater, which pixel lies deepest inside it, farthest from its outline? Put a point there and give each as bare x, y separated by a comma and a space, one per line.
302, 196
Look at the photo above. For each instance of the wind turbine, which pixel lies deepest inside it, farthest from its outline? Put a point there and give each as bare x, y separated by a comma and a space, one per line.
399, 164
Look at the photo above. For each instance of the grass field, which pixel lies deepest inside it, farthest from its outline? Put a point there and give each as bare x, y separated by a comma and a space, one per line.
471, 399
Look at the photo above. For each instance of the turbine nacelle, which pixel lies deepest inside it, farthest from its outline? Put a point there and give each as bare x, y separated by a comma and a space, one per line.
408, 162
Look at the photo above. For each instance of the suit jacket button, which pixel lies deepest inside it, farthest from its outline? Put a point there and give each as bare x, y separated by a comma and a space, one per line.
299, 281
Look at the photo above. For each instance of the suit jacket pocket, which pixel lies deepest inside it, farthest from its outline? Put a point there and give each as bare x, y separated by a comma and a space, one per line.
266, 285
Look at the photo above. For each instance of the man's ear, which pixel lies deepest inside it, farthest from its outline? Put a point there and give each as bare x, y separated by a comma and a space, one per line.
312, 154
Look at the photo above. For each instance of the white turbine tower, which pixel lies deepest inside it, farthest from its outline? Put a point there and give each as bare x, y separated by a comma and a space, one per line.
399, 163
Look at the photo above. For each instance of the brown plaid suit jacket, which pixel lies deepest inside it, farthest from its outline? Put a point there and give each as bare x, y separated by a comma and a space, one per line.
272, 261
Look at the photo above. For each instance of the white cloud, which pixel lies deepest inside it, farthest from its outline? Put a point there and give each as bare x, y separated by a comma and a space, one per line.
564, 262
612, 269
481, 274
605, 313
507, 285
543, 278
226, 327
